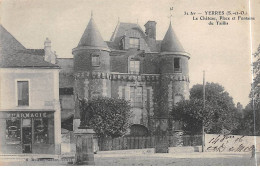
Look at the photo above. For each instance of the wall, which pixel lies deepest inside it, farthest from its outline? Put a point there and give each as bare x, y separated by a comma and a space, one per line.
118, 85
119, 63
148, 62
167, 64
82, 60
43, 91
67, 106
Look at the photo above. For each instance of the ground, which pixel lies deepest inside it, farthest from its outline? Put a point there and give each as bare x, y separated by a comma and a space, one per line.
171, 159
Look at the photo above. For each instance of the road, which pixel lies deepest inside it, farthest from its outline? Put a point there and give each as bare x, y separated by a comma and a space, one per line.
171, 159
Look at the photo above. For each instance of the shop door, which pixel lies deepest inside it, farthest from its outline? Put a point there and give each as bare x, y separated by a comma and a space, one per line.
27, 136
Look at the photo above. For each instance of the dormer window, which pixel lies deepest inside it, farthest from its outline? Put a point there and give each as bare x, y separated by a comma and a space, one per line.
95, 60
134, 67
134, 43
177, 65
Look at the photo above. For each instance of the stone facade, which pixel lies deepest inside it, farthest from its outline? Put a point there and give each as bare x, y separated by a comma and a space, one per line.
153, 75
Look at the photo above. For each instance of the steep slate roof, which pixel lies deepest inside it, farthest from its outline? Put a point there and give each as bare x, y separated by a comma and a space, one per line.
91, 36
40, 52
170, 42
23, 60
8, 42
14, 55
120, 31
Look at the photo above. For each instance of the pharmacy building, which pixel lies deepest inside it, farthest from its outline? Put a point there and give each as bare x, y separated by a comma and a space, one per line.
30, 116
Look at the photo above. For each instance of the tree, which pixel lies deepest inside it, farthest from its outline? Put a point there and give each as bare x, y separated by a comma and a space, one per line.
247, 125
218, 115
109, 117
250, 124
215, 94
255, 92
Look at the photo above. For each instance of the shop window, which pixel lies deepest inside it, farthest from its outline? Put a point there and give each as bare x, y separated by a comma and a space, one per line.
23, 93
134, 67
136, 96
95, 59
134, 43
41, 131
13, 131
177, 65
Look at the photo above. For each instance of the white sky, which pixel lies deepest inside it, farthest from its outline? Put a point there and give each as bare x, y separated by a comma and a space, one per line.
222, 51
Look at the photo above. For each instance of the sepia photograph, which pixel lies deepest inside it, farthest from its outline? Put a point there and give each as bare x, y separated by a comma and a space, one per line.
129, 83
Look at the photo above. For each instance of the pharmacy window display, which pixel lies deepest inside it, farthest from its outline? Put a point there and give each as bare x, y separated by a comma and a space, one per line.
13, 131
29, 130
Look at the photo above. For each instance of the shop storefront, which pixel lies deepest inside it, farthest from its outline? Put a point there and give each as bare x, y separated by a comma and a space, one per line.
27, 132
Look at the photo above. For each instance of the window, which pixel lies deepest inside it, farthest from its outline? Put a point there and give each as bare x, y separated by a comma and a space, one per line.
66, 91
134, 43
95, 60
41, 131
23, 93
177, 98
177, 65
13, 131
136, 98
134, 67
30, 128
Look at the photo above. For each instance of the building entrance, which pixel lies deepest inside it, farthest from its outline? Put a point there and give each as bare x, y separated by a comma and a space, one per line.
27, 139
27, 136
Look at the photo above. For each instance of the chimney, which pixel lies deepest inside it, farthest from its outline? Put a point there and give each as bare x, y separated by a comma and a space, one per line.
47, 43
49, 55
150, 29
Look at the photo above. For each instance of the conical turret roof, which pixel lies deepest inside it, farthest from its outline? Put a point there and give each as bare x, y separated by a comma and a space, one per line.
170, 42
91, 36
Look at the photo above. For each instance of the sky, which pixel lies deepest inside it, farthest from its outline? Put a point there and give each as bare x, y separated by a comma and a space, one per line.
223, 51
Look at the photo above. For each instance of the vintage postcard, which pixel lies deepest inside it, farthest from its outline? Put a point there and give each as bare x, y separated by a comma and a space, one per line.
129, 83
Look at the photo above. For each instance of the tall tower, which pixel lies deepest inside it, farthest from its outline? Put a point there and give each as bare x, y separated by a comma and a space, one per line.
91, 67
174, 72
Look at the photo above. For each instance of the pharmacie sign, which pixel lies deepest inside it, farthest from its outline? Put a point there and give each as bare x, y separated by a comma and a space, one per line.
27, 115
